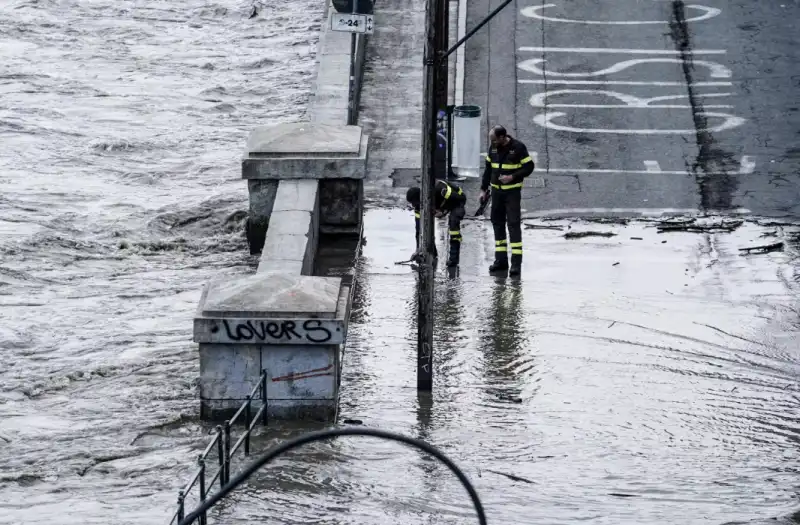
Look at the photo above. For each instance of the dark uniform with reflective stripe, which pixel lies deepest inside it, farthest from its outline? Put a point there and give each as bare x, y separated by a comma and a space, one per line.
512, 159
448, 197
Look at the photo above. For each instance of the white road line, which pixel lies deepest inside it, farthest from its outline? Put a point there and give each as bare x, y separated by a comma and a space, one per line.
619, 83
653, 212
460, 72
620, 50
597, 171
748, 164
652, 166
534, 157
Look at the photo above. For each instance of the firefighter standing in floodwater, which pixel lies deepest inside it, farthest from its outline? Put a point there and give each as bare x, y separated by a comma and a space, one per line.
448, 198
507, 164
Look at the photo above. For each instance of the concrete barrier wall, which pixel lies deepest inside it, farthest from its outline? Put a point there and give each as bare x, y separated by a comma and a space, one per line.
330, 103
304, 179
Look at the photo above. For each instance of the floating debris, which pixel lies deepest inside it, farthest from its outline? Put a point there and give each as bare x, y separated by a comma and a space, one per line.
766, 248
542, 227
511, 476
694, 227
580, 235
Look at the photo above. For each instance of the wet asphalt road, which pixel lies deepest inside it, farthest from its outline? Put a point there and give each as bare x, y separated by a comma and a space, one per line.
639, 378
687, 108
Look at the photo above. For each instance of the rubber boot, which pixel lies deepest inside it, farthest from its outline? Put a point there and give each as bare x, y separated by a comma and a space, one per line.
500, 262
455, 254
516, 265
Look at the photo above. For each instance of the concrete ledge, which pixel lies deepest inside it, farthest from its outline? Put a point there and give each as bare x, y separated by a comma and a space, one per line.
330, 103
306, 150
291, 242
291, 326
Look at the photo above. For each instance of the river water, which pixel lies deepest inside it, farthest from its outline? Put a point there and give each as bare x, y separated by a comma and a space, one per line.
621, 380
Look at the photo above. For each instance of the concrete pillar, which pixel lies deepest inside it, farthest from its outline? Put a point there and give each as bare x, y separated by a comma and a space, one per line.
292, 326
333, 155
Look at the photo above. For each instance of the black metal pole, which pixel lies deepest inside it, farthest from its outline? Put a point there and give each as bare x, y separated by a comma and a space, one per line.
429, 142
264, 397
474, 30
221, 454
247, 427
351, 92
202, 463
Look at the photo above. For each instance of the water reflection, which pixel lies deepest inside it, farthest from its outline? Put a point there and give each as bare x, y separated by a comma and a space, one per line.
503, 339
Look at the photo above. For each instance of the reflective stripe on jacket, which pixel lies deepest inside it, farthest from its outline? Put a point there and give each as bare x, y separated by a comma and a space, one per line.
513, 159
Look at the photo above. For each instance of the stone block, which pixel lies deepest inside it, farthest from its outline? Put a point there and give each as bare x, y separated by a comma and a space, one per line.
262, 195
304, 138
293, 266
292, 327
308, 150
341, 202
284, 246
228, 374
265, 295
296, 195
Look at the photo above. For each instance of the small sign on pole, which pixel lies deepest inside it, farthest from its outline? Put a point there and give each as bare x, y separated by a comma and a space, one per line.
352, 23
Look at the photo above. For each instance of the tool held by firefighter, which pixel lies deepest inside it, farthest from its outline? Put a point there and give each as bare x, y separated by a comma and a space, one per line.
483, 199
449, 199
508, 163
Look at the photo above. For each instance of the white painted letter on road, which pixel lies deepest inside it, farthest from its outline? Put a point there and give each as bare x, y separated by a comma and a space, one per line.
532, 66
534, 12
730, 122
541, 100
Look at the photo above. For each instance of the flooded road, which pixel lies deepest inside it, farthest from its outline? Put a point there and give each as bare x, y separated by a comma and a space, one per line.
641, 378
662, 389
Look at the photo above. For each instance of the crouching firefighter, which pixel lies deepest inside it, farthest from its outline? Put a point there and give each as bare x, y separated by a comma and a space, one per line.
450, 199
507, 164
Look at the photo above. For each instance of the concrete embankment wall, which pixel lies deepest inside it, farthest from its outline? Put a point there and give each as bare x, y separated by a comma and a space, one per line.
305, 180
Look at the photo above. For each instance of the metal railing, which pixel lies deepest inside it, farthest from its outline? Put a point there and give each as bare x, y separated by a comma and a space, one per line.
199, 513
222, 443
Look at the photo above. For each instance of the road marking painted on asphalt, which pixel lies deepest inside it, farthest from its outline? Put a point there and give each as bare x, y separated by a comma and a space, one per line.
620, 83
540, 100
640, 211
748, 164
730, 122
531, 65
652, 166
533, 12
603, 171
622, 50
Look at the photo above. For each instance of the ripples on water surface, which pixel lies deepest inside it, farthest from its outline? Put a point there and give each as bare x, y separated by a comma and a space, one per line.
122, 127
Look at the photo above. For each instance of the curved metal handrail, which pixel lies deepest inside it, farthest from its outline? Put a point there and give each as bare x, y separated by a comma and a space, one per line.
331, 433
